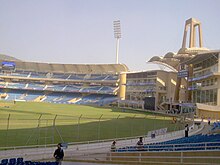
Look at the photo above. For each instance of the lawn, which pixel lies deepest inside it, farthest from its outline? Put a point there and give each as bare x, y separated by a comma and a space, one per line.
32, 123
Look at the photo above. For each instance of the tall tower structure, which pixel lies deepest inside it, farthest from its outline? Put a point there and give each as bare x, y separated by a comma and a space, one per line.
191, 25
117, 34
192, 45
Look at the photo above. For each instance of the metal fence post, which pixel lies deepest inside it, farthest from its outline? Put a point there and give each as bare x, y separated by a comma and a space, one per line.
7, 129
181, 158
46, 134
58, 132
116, 128
145, 126
38, 127
139, 157
154, 120
132, 125
78, 126
54, 122
99, 127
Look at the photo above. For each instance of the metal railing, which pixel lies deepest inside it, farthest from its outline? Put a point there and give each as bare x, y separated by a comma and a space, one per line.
167, 158
78, 149
174, 147
44, 129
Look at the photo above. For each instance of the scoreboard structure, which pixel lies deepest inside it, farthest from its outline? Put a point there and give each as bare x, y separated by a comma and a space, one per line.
8, 66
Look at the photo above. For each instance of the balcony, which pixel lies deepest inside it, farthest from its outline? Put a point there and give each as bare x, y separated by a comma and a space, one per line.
141, 83
201, 77
194, 87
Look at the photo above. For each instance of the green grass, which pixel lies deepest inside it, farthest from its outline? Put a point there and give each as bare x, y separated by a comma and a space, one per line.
30, 123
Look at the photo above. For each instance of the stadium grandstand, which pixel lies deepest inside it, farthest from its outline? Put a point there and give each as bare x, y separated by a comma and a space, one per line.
192, 84
60, 83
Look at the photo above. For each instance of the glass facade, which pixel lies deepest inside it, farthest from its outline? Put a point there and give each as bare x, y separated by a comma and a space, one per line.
204, 83
205, 96
141, 85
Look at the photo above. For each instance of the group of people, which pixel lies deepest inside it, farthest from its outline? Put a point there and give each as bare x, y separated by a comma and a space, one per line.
59, 153
209, 119
139, 145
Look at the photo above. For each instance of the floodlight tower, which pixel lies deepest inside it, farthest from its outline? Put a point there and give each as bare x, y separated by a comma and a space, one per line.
117, 34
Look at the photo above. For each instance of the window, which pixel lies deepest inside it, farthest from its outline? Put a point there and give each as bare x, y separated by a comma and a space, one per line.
215, 96
198, 93
203, 97
211, 96
194, 96
207, 96
208, 83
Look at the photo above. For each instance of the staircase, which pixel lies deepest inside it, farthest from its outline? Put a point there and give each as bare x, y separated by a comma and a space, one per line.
74, 100
3, 96
40, 98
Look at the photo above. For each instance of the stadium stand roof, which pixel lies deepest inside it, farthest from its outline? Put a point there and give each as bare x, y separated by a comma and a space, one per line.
6, 57
202, 56
66, 68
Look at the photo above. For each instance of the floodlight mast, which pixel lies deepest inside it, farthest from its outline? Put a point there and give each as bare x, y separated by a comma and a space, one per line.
117, 34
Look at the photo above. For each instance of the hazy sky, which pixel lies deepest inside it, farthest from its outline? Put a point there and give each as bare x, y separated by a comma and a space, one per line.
81, 31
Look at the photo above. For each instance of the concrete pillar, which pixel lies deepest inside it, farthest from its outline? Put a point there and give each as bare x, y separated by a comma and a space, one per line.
184, 36
194, 35
122, 86
218, 63
177, 90
218, 92
189, 93
191, 24
218, 82
200, 36
191, 44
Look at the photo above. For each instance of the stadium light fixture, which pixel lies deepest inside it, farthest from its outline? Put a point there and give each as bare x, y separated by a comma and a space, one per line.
117, 34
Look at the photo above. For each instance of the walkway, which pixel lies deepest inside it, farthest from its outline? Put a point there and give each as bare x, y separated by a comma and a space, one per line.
82, 163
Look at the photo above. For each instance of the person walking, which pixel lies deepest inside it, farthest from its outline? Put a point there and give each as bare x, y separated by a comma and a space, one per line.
59, 154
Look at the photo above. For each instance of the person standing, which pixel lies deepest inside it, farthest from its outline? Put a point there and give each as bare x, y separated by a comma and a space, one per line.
186, 130
209, 121
59, 154
140, 144
113, 146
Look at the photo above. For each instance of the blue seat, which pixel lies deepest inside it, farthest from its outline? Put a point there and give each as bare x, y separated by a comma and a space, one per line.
12, 161
20, 160
4, 161
19, 163
196, 142
50, 163
35, 163
27, 162
42, 163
